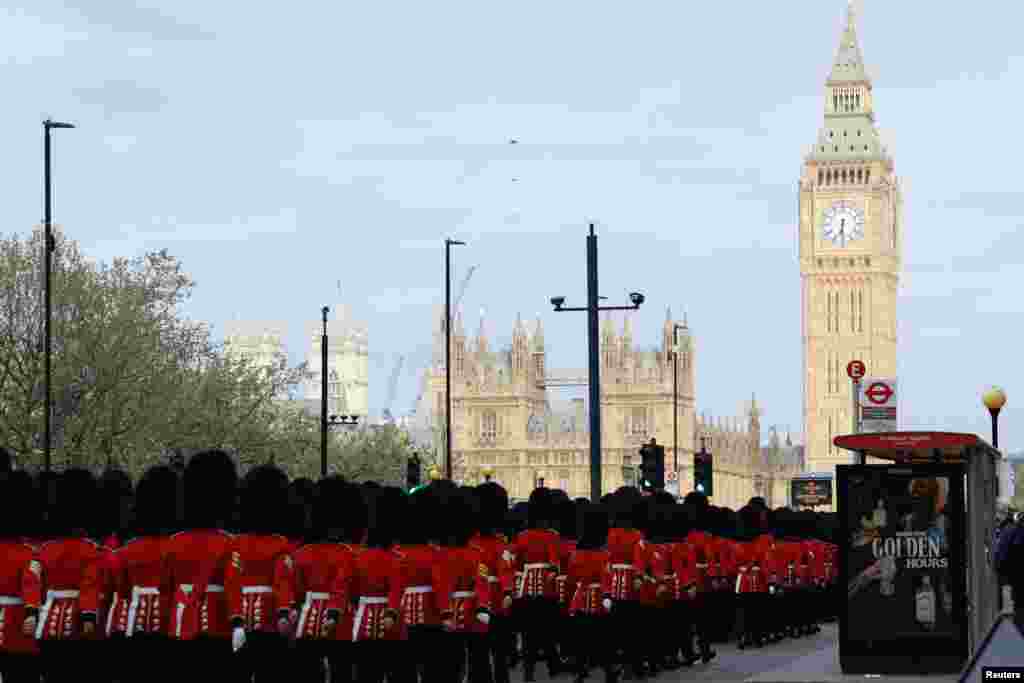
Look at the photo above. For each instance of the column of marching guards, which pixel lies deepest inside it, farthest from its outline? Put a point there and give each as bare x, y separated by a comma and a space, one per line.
197, 574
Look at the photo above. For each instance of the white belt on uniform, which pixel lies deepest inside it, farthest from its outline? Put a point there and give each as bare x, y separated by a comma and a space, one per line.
10, 601
536, 565
361, 612
210, 588
419, 590
493, 579
622, 566
133, 607
256, 590
311, 597
462, 595
44, 613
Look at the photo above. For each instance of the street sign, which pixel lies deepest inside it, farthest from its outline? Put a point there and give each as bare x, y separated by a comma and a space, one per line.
856, 369
671, 476
878, 405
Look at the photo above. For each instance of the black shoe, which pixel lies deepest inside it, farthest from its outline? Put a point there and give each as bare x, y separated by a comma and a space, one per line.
612, 674
528, 674
708, 656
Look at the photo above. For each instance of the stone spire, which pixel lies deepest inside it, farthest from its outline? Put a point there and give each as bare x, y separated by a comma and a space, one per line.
848, 66
481, 334
538, 336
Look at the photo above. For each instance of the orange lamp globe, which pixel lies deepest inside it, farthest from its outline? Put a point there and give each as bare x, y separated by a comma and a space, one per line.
994, 399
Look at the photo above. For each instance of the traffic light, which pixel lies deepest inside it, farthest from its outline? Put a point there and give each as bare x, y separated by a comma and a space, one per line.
652, 467
413, 473
703, 473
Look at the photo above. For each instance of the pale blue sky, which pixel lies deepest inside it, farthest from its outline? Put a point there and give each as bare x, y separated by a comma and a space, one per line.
279, 147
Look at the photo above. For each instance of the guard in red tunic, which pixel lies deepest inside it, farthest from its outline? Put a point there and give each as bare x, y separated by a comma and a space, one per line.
684, 607
702, 544
140, 612
535, 609
266, 579
420, 551
628, 551
496, 558
378, 586
590, 582
203, 572
323, 575
462, 590
19, 577
62, 608
565, 514
661, 585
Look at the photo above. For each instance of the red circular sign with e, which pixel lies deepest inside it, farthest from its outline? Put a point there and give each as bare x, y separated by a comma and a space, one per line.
879, 393
855, 369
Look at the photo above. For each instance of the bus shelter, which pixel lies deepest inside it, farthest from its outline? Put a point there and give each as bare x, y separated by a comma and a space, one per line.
914, 550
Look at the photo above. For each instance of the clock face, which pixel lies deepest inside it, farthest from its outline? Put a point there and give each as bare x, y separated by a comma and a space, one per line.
843, 223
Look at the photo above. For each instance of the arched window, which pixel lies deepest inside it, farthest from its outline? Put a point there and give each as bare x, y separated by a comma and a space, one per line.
867, 176
821, 177
489, 426
860, 176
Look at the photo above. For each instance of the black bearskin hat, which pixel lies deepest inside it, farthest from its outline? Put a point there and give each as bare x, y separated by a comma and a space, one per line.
682, 522
493, 502
16, 491
339, 511
302, 493
156, 502
626, 507
568, 520
516, 519
115, 503
457, 512
421, 518
211, 483
263, 496
594, 527
387, 513
75, 510
539, 514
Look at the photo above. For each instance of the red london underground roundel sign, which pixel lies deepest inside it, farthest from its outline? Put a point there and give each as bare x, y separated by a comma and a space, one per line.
879, 393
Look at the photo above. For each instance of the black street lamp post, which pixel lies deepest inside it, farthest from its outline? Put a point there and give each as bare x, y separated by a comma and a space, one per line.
675, 397
48, 249
323, 395
593, 341
448, 244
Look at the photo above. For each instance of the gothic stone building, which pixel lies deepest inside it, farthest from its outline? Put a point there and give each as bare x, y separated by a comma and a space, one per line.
505, 417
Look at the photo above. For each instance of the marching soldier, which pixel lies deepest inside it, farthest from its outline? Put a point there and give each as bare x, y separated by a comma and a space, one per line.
626, 545
565, 513
203, 570
536, 553
462, 592
323, 575
589, 578
419, 612
378, 585
684, 609
19, 577
141, 610
266, 576
663, 585
62, 607
702, 545
496, 559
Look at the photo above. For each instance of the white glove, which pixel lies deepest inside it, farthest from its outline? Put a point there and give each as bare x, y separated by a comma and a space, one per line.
607, 603
484, 618
237, 638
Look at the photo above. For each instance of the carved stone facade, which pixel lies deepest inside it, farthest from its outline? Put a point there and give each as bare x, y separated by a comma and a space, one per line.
348, 364
850, 242
504, 420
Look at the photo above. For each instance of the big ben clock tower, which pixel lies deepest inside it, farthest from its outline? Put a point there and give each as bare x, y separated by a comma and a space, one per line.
850, 243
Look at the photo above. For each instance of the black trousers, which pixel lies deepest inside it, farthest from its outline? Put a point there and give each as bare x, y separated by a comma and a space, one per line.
681, 631
488, 653
203, 659
18, 668
537, 619
628, 619
378, 660
264, 659
593, 642
308, 659
419, 655
62, 660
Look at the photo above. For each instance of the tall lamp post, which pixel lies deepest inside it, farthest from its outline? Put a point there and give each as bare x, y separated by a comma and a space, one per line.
675, 396
448, 244
593, 341
994, 399
48, 249
323, 395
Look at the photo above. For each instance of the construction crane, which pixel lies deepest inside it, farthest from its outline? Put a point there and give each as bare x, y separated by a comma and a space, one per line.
462, 287
392, 388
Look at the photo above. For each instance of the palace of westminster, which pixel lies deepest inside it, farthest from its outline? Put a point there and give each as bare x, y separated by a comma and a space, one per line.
504, 417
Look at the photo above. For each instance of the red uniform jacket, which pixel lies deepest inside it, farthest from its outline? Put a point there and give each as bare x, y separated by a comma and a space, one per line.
68, 589
661, 583
589, 577
684, 565
142, 600
204, 576
496, 559
750, 575
266, 579
322, 588
700, 543
377, 589
536, 555
565, 551
461, 587
419, 604
791, 556
628, 553
19, 578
